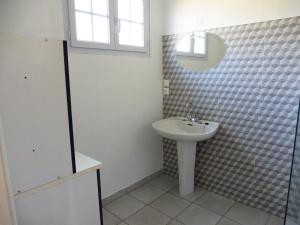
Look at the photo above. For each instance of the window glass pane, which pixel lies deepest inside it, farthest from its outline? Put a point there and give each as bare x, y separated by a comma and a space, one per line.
124, 9
184, 44
84, 5
131, 34
124, 34
101, 29
100, 7
137, 10
137, 35
83, 26
199, 45
92, 22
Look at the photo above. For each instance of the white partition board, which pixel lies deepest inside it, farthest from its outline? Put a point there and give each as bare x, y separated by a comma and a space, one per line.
33, 107
74, 202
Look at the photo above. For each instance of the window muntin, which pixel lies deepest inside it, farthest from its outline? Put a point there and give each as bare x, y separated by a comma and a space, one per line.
131, 22
92, 20
110, 24
193, 45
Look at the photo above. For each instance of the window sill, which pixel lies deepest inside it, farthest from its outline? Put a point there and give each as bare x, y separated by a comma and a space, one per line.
109, 52
123, 51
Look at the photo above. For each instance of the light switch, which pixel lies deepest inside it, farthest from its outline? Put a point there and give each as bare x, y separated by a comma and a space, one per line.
166, 83
166, 91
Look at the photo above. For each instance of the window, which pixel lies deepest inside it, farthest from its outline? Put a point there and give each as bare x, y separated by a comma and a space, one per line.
193, 45
110, 24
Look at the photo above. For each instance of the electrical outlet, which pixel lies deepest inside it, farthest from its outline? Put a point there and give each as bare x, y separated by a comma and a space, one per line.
166, 91
166, 83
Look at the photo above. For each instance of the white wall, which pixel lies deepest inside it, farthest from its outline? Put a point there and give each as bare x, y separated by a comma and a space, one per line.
191, 15
115, 98
32, 17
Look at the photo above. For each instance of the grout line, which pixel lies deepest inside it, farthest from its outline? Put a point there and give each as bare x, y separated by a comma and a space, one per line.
113, 215
224, 217
204, 207
172, 218
124, 220
268, 219
230, 208
150, 205
200, 196
146, 202
125, 190
127, 193
179, 196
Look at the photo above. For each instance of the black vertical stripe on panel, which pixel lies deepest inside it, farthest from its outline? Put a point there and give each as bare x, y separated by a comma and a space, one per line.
100, 197
292, 165
68, 89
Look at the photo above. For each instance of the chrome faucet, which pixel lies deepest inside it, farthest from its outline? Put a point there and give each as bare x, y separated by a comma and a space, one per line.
190, 113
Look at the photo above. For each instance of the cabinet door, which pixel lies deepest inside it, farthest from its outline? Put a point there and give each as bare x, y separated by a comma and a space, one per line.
33, 106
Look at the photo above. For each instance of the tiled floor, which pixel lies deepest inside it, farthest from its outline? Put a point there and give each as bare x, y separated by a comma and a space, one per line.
158, 202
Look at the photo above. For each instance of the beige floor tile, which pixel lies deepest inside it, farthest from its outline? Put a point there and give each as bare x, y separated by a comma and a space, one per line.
124, 206
197, 215
148, 216
226, 221
170, 204
110, 219
190, 197
164, 182
174, 222
214, 202
147, 193
247, 215
274, 220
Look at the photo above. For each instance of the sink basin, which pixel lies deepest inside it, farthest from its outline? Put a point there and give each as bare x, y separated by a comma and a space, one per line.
180, 129
187, 134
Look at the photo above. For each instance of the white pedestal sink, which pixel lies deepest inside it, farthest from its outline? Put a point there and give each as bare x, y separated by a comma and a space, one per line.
187, 134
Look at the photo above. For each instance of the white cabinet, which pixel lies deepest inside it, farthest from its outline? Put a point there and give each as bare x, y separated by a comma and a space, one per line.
72, 202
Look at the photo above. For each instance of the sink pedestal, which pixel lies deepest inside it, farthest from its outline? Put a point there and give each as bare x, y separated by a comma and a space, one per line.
187, 134
186, 152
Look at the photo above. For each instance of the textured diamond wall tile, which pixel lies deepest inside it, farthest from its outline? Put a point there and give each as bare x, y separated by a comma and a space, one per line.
253, 93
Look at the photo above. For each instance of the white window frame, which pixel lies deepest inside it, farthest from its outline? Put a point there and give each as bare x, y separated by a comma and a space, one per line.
191, 52
114, 30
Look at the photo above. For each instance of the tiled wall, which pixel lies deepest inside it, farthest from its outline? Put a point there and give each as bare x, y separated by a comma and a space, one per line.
254, 94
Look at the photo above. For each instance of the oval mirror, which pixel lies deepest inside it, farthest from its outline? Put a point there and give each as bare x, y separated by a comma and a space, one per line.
200, 51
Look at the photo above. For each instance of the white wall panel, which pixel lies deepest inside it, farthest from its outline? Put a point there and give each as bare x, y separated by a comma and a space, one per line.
33, 106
